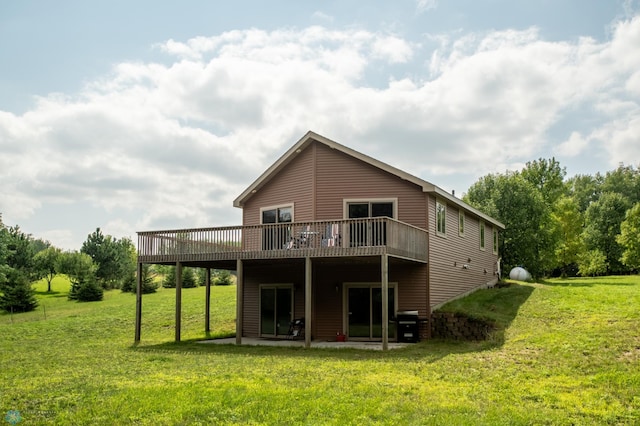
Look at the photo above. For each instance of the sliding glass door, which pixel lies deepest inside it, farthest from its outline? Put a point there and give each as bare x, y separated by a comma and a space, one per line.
366, 233
364, 315
276, 309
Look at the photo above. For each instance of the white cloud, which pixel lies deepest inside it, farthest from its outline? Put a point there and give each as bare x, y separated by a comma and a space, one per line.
425, 5
322, 16
173, 144
573, 146
393, 49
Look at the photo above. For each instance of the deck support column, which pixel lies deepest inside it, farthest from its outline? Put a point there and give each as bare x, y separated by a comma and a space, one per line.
239, 300
138, 304
385, 302
207, 301
178, 299
307, 302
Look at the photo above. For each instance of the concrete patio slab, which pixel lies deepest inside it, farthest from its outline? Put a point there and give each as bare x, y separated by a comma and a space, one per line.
249, 341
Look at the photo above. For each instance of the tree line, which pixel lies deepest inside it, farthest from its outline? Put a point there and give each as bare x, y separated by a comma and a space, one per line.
586, 225
102, 263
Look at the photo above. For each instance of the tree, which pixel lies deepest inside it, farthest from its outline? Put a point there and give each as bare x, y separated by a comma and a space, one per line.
603, 218
46, 264
17, 295
547, 177
81, 270
625, 180
188, 277
517, 203
169, 280
20, 251
148, 281
566, 222
592, 263
115, 259
629, 238
584, 189
223, 277
16, 256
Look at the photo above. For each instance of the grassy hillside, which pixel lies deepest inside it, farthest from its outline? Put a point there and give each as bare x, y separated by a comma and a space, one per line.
568, 352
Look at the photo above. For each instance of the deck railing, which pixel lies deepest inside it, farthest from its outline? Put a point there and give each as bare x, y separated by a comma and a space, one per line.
353, 237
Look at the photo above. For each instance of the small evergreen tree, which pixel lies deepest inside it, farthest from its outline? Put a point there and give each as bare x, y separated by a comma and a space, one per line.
169, 280
188, 278
17, 295
82, 273
148, 282
223, 277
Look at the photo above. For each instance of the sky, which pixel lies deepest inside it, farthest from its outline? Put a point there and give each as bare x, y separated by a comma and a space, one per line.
150, 115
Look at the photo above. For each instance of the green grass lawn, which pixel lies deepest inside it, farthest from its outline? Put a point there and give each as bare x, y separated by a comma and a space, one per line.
566, 352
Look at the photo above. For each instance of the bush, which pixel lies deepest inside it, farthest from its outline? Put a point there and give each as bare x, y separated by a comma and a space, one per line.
223, 277
88, 292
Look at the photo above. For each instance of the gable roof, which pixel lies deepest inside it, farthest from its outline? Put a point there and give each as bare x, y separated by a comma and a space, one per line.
310, 137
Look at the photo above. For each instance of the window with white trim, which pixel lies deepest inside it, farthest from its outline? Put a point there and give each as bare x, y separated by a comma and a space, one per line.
277, 236
461, 223
495, 241
481, 235
441, 218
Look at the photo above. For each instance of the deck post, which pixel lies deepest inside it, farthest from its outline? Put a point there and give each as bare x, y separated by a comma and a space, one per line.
385, 302
178, 299
207, 301
239, 295
307, 302
138, 304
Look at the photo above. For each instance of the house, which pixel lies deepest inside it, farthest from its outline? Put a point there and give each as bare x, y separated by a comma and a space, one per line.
340, 239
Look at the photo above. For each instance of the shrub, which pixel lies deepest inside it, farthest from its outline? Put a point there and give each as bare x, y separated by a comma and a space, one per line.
223, 277
89, 292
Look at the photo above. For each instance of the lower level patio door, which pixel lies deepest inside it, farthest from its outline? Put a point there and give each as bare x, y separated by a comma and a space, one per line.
276, 309
364, 311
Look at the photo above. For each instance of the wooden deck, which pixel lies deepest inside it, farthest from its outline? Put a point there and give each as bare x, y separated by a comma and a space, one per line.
336, 238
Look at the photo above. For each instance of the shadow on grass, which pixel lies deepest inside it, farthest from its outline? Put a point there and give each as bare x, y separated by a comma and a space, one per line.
51, 293
497, 305
426, 351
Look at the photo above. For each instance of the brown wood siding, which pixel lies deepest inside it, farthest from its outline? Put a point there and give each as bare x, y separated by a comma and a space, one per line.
339, 177
327, 306
280, 273
294, 184
448, 255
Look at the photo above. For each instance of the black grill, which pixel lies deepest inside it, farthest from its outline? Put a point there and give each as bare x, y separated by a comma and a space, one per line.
408, 326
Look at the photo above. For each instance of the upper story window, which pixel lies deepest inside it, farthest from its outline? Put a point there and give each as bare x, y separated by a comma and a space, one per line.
369, 233
461, 223
441, 218
495, 241
282, 214
481, 235
276, 237
357, 209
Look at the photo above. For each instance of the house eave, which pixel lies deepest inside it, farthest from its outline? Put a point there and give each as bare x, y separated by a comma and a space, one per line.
311, 136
